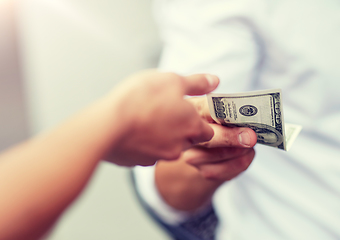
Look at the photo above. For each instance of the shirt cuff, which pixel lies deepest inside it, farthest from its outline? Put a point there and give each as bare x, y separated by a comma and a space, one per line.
146, 188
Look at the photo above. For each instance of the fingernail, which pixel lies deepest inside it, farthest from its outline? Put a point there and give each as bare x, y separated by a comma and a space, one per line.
212, 79
244, 139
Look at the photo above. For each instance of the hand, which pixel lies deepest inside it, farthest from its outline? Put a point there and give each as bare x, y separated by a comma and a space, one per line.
157, 123
225, 156
189, 183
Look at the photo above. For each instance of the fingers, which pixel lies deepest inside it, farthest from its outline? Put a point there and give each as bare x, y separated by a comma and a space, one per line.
200, 84
231, 137
220, 164
227, 170
201, 155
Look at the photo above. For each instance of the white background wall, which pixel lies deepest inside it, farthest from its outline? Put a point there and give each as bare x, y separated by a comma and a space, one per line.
74, 51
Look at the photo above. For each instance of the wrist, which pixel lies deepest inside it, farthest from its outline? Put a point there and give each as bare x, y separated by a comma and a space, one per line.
183, 187
109, 126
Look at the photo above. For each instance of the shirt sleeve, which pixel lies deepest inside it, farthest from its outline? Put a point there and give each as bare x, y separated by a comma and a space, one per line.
200, 225
147, 190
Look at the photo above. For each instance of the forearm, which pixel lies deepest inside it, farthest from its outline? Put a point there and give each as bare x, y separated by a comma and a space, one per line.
182, 186
41, 177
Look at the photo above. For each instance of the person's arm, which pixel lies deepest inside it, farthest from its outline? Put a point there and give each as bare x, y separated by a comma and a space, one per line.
39, 178
189, 183
42, 176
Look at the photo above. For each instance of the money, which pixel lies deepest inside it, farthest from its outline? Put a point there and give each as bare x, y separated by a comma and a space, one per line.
260, 111
291, 133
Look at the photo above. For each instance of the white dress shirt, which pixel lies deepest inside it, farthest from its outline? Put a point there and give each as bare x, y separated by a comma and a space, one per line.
262, 44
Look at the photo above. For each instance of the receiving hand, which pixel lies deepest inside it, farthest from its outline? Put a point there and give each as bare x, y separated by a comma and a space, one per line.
189, 183
227, 154
224, 157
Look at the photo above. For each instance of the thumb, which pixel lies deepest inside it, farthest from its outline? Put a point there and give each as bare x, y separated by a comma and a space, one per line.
200, 84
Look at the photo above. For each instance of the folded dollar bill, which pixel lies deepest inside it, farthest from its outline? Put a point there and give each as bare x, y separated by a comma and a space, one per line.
260, 111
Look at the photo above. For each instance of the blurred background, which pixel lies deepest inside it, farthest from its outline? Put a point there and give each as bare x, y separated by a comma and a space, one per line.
57, 56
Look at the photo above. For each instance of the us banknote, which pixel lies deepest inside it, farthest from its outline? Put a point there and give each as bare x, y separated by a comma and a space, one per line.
260, 111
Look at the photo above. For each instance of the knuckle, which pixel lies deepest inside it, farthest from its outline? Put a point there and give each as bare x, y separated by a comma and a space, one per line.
226, 138
169, 81
228, 135
174, 79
